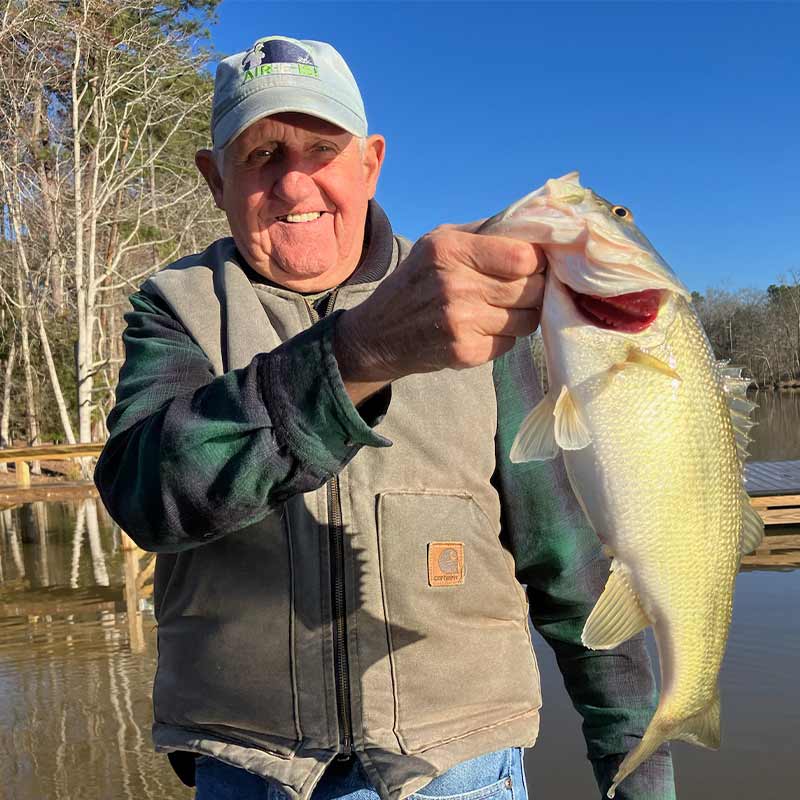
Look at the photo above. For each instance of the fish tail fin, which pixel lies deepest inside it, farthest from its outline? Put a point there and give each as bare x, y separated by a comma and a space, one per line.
702, 728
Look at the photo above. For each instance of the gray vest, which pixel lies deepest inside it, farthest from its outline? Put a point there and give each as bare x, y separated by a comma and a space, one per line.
438, 664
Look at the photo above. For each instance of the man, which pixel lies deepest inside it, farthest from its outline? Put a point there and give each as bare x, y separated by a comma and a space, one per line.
312, 430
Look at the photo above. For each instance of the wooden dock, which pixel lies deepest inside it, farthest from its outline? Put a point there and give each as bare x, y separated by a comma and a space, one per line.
774, 489
20, 456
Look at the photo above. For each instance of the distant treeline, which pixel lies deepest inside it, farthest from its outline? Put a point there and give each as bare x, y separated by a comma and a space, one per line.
757, 330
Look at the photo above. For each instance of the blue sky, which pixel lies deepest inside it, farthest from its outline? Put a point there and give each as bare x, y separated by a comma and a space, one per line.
688, 113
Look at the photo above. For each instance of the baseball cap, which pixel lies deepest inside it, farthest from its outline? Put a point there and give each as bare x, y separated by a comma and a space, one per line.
280, 74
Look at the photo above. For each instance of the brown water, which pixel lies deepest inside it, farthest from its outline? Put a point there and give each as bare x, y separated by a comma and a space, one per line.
75, 707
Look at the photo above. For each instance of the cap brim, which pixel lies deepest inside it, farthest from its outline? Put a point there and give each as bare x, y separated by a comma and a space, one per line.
280, 99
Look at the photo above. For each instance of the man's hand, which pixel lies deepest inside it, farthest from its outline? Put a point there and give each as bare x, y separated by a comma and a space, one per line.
459, 300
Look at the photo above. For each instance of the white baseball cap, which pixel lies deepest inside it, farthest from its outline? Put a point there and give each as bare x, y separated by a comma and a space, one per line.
279, 74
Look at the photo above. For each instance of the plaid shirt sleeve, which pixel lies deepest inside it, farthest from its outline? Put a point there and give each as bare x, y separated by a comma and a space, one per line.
558, 558
192, 456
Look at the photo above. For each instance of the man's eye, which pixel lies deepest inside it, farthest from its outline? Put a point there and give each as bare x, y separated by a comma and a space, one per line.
261, 155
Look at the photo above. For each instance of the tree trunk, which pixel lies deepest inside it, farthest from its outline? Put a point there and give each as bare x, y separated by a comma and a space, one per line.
66, 424
27, 368
5, 418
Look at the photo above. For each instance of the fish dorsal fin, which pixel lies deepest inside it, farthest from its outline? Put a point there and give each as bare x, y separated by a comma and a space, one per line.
638, 358
752, 526
741, 408
535, 440
618, 614
570, 430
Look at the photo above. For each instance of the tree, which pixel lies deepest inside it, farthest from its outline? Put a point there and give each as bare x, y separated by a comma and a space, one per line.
102, 105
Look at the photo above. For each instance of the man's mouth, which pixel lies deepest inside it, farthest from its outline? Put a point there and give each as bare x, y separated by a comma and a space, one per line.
309, 216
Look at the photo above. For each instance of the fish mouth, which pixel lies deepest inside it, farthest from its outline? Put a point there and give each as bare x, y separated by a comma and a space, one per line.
628, 313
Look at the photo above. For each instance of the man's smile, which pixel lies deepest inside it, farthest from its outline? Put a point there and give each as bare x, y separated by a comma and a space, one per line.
308, 216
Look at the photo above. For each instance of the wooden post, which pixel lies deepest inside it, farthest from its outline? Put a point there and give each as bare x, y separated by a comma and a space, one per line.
131, 569
23, 474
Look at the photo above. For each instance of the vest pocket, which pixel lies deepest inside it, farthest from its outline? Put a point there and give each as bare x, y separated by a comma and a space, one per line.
226, 649
456, 618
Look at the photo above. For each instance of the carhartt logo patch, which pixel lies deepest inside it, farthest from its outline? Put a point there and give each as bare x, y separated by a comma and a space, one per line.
445, 563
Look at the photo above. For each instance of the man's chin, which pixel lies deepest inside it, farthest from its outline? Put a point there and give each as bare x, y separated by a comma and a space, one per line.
301, 275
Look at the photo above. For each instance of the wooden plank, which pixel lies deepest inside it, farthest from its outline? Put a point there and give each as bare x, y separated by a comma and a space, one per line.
59, 601
54, 452
777, 560
775, 500
780, 516
23, 475
131, 569
788, 542
148, 570
54, 491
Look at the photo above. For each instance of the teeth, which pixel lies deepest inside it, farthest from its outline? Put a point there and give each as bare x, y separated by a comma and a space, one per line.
311, 215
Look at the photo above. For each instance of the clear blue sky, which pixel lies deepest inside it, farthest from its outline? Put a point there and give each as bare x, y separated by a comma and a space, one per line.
688, 113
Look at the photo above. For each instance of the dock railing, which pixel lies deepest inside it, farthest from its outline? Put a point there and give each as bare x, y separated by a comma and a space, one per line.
21, 456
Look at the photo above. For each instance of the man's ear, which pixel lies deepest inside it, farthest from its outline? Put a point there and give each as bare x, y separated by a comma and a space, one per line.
374, 151
207, 164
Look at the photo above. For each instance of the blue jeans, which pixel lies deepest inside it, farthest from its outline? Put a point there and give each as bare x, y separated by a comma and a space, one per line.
494, 776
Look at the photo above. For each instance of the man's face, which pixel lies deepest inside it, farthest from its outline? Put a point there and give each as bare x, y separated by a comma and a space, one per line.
295, 190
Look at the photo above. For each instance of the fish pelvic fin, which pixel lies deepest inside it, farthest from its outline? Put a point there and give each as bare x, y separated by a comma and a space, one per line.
618, 614
752, 526
536, 440
638, 358
570, 430
702, 728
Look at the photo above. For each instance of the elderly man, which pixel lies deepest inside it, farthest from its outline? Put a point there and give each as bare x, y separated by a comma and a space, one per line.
328, 488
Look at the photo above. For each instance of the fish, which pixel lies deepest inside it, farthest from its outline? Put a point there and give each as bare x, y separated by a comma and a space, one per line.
654, 433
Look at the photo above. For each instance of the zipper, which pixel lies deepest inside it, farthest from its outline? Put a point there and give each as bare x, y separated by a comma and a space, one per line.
338, 598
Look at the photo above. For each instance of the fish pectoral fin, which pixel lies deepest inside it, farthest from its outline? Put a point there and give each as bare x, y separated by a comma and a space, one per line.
617, 616
752, 527
638, 358
570, 430
535, 440
703, 727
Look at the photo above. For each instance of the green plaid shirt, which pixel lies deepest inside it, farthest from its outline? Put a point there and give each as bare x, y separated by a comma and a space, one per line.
192, 457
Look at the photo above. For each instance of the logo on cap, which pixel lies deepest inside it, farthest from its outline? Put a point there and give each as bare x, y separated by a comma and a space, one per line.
277, 57
445, 563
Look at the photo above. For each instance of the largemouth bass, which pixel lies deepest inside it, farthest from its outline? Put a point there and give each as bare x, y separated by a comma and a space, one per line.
654, 434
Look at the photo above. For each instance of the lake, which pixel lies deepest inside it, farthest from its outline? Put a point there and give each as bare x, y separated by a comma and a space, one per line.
75, 707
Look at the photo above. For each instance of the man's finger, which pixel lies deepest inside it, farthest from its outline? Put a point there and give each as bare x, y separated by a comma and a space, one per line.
525, 292
510, 321
503, 257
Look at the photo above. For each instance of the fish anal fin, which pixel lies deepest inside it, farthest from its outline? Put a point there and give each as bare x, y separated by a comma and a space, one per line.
617, 616
703, 727
570, 430
535, 440
752, 526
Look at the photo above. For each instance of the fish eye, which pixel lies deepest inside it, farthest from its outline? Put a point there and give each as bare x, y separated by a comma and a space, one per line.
621, 211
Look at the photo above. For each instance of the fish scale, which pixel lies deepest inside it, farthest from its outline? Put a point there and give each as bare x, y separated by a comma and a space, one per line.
642, 413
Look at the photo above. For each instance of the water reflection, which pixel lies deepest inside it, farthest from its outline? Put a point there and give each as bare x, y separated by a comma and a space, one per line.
75, 712
77, 657
776, 436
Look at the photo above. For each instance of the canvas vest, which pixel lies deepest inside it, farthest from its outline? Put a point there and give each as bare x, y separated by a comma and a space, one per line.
433, 664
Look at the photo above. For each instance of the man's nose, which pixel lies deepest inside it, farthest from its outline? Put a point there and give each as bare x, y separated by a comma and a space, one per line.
293, 185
